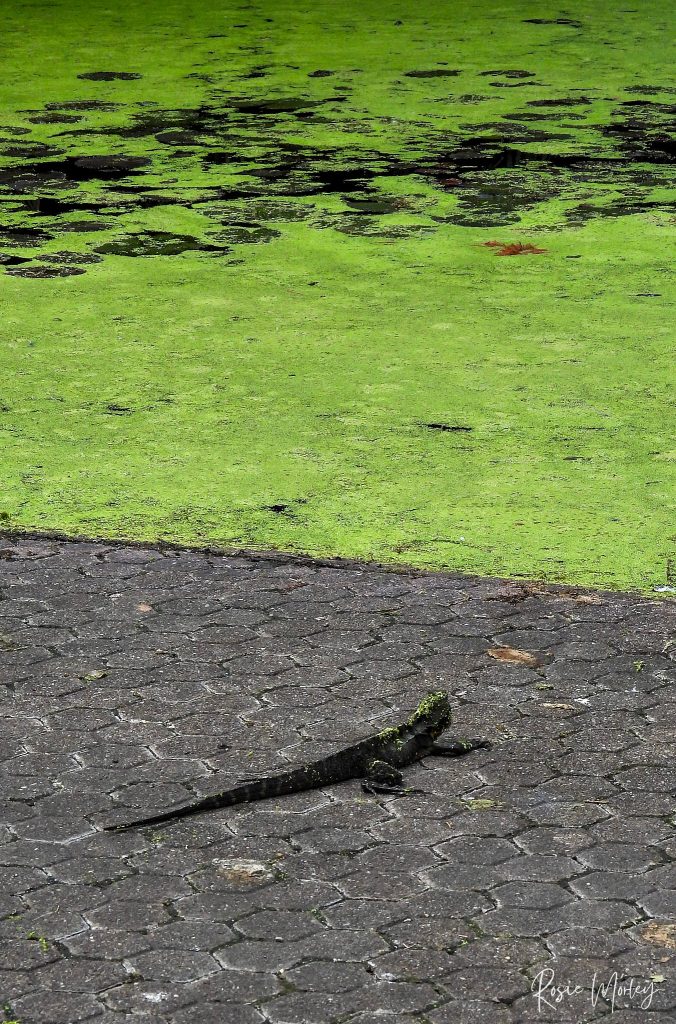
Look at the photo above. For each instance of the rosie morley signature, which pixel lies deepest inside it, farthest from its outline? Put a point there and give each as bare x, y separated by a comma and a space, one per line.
613, 989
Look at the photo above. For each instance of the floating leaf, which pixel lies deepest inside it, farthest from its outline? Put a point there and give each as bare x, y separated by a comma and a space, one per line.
513, 248
517, 249
514, 656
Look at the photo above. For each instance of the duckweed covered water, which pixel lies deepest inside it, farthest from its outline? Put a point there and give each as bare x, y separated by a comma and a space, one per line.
248, 300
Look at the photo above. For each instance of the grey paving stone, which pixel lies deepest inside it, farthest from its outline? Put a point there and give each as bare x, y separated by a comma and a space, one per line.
471, 1011
214, 1013
41, 1007
138, 677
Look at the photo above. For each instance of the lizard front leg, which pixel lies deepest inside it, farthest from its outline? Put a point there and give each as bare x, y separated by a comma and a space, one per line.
382, 777
458, 748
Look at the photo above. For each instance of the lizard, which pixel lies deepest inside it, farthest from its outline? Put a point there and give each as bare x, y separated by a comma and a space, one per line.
377, 760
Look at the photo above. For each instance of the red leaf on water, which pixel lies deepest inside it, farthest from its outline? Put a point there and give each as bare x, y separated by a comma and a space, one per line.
517, 249
513, 248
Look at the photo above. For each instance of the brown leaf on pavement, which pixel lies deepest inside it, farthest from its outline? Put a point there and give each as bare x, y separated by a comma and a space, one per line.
660, 933
514, 656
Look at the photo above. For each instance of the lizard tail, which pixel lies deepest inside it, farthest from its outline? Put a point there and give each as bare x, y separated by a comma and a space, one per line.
209, 803
288, 782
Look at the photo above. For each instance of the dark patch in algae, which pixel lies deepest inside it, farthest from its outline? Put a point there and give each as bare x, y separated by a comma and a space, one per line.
155, 243
495, 177
447, 427
109, 76
434, 73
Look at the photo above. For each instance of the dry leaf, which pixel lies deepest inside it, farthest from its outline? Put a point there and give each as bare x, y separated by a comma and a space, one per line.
514, 657
243, 872
560, 707
513, 248
143, 607
660, 933
587, 599
480, 804
517, 249
96, 674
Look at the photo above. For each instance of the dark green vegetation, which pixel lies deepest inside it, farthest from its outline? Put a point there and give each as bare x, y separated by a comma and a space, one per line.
247, 296
377, 760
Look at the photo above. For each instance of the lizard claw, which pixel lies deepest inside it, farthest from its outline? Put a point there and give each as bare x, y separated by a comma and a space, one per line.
377, 788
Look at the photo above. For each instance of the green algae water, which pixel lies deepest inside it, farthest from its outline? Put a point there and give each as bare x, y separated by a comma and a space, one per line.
248, 296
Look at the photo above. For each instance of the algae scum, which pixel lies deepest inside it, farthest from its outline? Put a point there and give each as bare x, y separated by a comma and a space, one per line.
382, 280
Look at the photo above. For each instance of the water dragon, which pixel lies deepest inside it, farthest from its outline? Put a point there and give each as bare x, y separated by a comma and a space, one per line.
377, 760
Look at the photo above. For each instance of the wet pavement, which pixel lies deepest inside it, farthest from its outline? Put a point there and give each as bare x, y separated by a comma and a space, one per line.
136, 678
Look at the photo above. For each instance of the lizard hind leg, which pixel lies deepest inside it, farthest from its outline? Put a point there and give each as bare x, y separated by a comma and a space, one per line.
382, 777
458, 748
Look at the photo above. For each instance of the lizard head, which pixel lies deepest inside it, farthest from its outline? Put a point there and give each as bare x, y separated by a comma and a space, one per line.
433, 714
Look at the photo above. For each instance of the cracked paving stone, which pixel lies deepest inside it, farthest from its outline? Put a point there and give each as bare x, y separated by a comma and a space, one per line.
55, 1007
620, 857
554, 847
278, 925
471, 1011
305, 1008
261, 956
378, 885
473, 983
209, 1013
410, 964
535, 895
123, 914
540, 868
326, 977
615, 885
580, 942
429, 932
173, 966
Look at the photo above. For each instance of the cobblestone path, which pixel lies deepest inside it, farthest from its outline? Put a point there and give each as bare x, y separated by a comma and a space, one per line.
132, 676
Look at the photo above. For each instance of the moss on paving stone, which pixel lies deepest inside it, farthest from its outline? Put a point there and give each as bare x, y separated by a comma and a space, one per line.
247, 298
